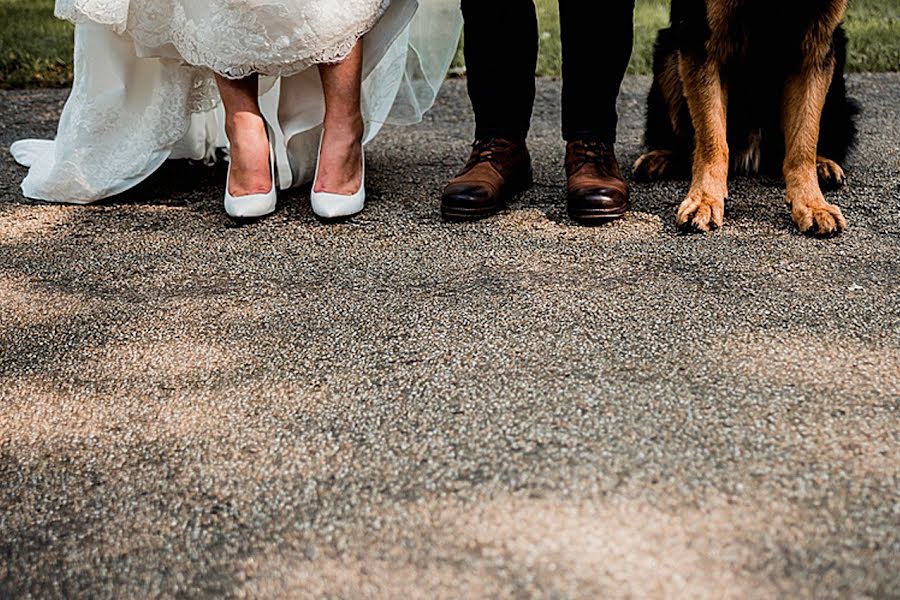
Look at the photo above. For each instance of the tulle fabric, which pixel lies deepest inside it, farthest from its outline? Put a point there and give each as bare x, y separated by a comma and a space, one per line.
144, 90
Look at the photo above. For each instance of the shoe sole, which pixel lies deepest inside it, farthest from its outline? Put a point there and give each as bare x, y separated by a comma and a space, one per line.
457, 214
331, 212
338, 219
596, 217
251, 216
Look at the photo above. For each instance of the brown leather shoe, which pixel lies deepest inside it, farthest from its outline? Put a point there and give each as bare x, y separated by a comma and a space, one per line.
497, 170
597, 191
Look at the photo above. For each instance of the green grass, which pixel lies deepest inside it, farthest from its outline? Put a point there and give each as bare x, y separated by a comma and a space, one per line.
36, 49
873, 27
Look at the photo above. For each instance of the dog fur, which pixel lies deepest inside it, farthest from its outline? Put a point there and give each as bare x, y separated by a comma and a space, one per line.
750, 86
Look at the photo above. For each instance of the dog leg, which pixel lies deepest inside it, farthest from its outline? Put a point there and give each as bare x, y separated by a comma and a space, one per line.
657, 165
668, 132
831, 174
804, 100
704, 207
748, 160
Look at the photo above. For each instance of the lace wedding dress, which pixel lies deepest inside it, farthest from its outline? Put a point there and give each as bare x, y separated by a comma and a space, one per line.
144, 89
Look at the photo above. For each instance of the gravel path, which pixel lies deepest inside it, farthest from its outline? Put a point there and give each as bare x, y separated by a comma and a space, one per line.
395, 407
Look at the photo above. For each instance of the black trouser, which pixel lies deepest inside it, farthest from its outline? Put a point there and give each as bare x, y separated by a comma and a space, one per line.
501, 45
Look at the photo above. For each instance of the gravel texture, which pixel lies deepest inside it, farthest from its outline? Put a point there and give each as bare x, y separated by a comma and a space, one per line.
395, 407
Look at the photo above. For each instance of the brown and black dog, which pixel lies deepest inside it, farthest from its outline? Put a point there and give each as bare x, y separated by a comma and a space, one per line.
751, 85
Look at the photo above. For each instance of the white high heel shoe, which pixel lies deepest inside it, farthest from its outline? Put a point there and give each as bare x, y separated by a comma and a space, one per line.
254, 206
335, 206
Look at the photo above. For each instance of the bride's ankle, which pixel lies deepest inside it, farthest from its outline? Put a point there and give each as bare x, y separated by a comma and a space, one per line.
347, 130
244, 126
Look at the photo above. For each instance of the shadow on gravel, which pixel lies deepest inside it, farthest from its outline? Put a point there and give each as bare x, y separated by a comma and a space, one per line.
518, 407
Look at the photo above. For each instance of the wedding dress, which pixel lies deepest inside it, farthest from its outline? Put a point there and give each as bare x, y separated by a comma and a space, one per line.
144, 89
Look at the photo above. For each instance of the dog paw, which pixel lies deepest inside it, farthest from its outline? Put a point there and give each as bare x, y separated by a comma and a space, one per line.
655, 166
818, 218
700, 211
831, 175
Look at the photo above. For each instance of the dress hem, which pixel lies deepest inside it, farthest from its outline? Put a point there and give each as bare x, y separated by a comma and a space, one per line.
171, 50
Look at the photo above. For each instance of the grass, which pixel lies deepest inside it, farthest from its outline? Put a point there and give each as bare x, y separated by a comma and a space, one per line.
36, 49
873, 27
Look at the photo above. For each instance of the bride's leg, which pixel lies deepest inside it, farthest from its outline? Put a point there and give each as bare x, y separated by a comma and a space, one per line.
340, 165
246, 130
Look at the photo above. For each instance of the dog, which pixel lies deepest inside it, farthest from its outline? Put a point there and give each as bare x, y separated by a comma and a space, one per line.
748, 86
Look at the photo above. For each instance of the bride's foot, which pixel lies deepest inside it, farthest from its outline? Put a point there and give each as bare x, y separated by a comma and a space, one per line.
250, 170
340, 162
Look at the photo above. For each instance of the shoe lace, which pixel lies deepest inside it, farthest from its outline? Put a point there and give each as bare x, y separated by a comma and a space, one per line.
597, 153
485, 151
